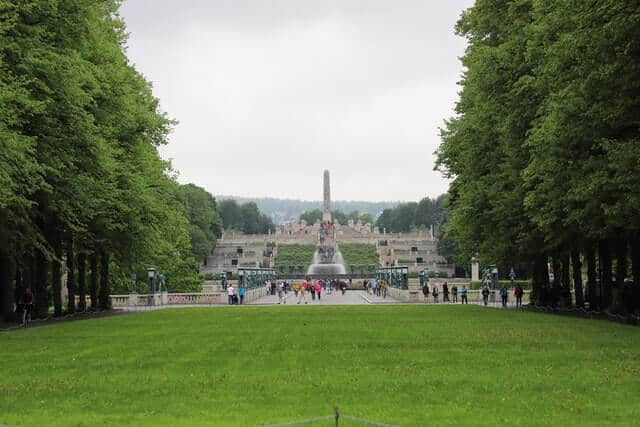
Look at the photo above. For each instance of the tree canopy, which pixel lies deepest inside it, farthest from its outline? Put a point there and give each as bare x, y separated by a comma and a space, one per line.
83, 189
544, 152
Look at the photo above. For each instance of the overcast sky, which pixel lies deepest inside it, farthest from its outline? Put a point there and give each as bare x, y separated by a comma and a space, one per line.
269, 93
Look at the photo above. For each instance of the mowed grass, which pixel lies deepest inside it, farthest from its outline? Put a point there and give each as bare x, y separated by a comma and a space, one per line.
403, 365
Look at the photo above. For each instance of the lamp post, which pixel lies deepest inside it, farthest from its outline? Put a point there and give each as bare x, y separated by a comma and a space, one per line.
494, 276
133, 283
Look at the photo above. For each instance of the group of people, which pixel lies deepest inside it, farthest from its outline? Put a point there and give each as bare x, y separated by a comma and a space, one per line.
486, 292
378, 288
504, 295
435, 292
236, 296
315, 288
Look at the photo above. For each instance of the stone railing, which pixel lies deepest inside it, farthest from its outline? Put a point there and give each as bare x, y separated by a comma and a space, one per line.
165, 298
473, 296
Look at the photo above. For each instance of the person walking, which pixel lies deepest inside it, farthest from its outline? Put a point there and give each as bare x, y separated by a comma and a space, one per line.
241, 292
454, 294
230, 293
312, 289
280, 292
518, 294
318, 290
303, 291
434, 292
445, 292
503, 295
27, 307
296, 289
485, 295
425, 292
463, 294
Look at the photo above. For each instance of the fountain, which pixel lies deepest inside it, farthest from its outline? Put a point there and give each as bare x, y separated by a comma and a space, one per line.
327, 259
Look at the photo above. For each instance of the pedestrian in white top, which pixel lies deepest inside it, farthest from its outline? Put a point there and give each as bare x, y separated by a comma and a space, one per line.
230, 293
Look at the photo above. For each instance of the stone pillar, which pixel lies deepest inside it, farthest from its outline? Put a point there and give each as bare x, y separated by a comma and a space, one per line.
475, 270
415, 292
326, 205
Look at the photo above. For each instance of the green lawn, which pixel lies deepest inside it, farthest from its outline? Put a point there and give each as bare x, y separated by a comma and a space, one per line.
403, 365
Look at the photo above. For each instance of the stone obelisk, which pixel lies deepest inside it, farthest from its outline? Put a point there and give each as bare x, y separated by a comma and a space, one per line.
326, 203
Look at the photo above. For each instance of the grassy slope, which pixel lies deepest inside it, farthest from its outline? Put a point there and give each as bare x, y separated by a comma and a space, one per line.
359, 253
295, 254
404, 365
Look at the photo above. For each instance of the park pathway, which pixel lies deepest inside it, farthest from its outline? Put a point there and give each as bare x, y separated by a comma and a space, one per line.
335, 298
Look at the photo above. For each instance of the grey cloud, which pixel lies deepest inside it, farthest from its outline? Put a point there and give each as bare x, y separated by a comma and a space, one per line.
270, 93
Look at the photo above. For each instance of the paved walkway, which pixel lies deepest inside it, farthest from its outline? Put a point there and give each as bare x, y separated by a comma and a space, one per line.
335, 298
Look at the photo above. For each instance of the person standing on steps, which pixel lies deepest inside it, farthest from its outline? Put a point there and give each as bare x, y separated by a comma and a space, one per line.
434, 292
454, 294
445, 292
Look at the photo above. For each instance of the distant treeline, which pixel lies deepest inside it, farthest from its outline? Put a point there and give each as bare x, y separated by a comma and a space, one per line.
337, 216
283, 210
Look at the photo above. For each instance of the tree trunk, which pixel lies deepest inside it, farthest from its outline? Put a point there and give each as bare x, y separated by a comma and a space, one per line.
93, 283
82, 281
577, 277
565, 279
7, 289
592, 279
24, 277
40, 287
540, 281
71, 277
634, 304
617, 302
604, 253
105, 290
556, 288
18, 288
56, 280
